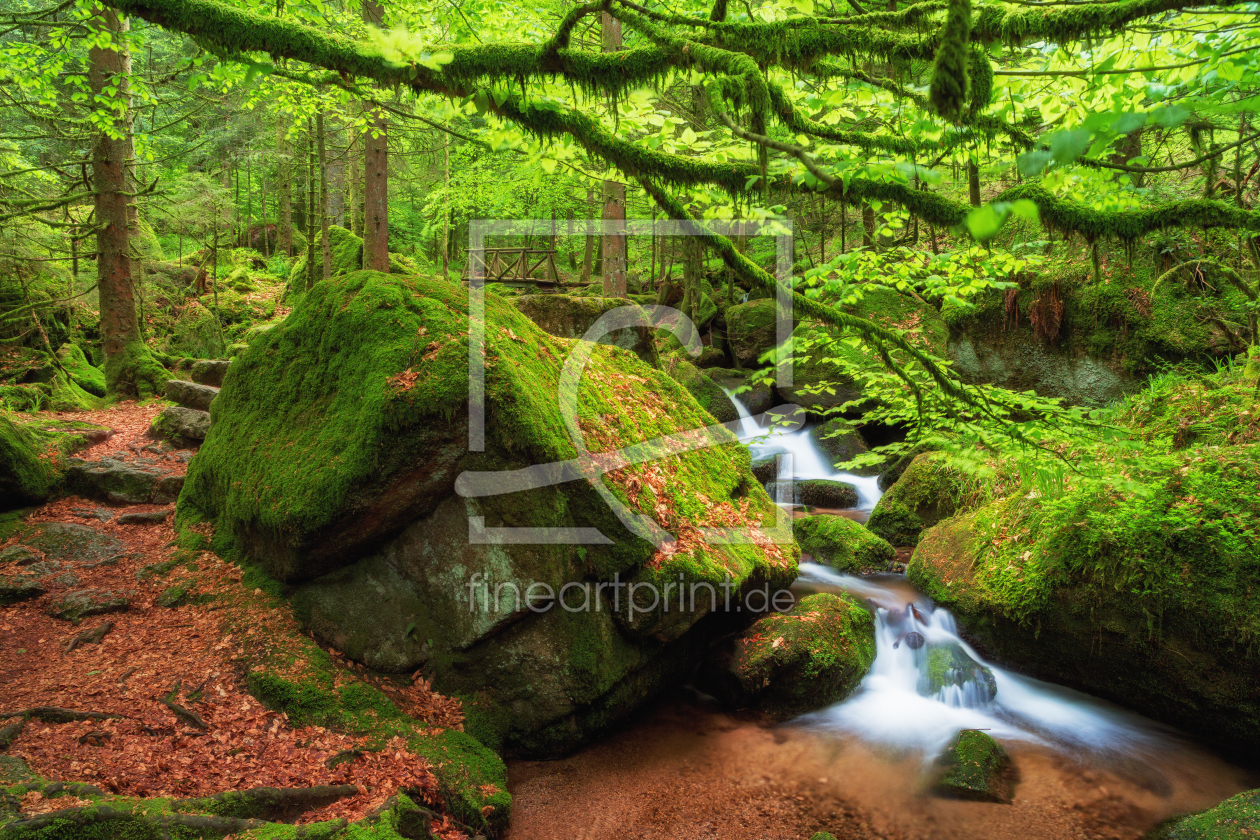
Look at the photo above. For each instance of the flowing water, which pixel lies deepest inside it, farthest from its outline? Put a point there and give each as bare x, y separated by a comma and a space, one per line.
863, 768
800, 457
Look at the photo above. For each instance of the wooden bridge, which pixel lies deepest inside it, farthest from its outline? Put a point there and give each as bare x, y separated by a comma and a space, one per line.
516, 267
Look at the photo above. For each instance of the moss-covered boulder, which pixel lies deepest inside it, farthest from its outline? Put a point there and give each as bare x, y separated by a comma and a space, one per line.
751, 330
790, 663
26, 476
1143, 596
568, 316
79, 604
927, 492
183, 427
345, 250
1237, 818
707, 393
817, 492
81, 371
843, 544
332, 463
73, 543
976, 767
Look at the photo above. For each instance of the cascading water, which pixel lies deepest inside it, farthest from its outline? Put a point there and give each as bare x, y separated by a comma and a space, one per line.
803, 460
922, 690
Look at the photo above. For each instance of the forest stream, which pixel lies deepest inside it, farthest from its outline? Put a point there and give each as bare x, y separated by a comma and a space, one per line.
864, 767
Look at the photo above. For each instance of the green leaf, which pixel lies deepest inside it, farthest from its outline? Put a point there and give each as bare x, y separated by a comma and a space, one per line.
984, 222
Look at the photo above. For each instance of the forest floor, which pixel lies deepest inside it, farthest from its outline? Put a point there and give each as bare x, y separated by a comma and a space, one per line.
165, 687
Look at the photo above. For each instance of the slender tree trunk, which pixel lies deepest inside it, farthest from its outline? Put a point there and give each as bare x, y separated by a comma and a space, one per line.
323, 193
568, 215
129, 367
614, 263
868, 226
973, 182
588, 259
311, 221
446, 205
375, 168
283, 154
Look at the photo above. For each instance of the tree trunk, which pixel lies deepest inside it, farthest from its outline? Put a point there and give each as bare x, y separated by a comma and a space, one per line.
323, 193
446, 205
130, 369
354, 198
283, 154
868, 226
1129, 148
614, 269
375, 168
589, 257
973, 182
311, 221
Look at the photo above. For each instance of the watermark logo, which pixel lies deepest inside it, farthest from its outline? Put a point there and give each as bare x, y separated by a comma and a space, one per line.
592, 466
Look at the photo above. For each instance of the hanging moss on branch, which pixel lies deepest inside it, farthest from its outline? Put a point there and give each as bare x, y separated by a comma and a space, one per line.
950, 84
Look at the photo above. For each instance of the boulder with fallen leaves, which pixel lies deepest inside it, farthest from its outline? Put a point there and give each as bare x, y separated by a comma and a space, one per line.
332, 464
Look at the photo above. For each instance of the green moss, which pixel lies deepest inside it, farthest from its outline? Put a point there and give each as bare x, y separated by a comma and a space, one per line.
345, 250
976, 768
1234, 819
790, 663
843, 544
927, 492
707, 393
26, 475
134, 371
81, 371
472, 780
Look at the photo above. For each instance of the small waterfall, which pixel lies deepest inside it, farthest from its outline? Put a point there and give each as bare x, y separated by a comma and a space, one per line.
921, 691
802, 458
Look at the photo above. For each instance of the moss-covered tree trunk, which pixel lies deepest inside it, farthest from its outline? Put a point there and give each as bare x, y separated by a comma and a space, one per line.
973, 183
375, 169
311, 221
130, 369
614, 273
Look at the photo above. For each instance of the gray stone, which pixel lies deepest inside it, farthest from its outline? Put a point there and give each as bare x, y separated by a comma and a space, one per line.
569, 316
149, 517
210, 371
167, 489
42, 569
100, 514
73, 606
66, 580
15, 588
19, 555
111, 480
182, 426
190, 394
74, 543
1019, 362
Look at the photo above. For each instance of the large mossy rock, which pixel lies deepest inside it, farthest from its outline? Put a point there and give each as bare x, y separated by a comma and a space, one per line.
707, 393
790, 663
927, 492
568, 316
818, 383
976, 768
27, 477
843, 544
1146, 596
332, 463
1237, 818
751, 330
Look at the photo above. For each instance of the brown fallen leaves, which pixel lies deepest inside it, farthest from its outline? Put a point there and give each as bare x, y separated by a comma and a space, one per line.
153, 751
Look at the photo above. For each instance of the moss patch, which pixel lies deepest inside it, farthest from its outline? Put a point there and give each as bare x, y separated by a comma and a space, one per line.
927, 492
843, 544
